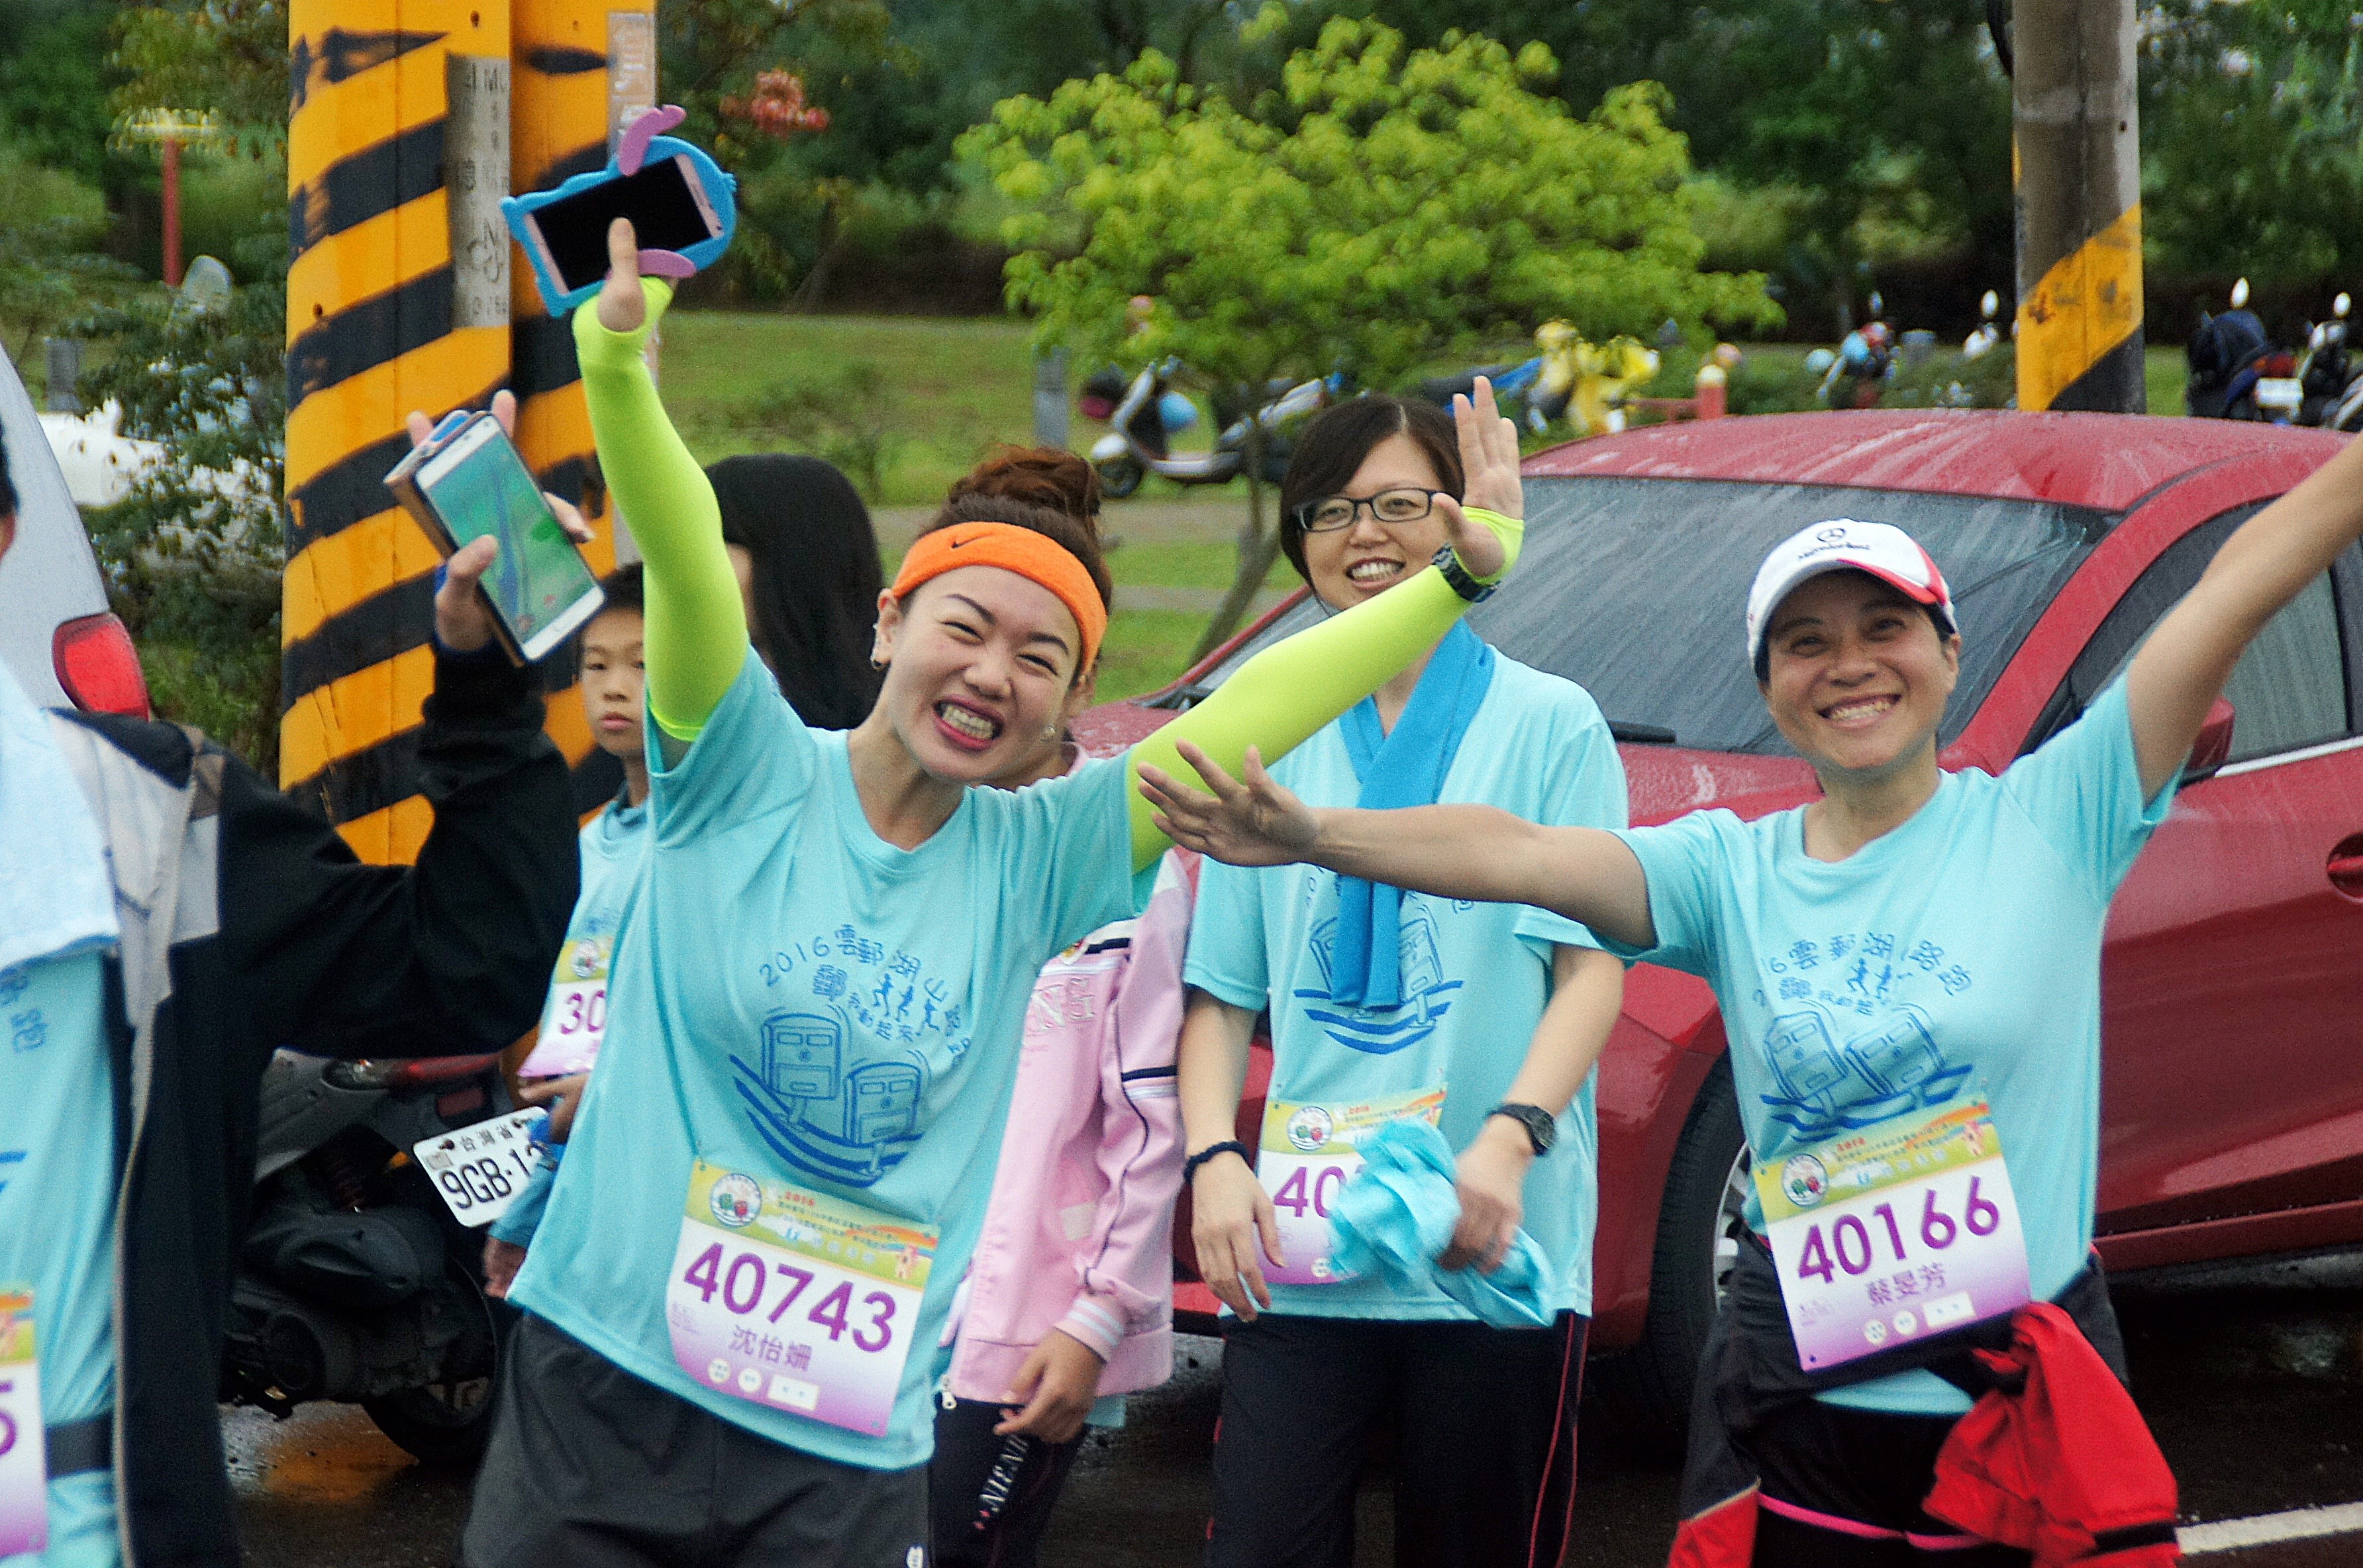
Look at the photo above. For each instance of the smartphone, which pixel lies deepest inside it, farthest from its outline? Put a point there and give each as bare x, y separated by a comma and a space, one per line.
473, 484
666, 201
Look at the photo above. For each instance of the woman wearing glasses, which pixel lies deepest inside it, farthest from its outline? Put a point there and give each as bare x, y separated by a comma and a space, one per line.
1483, 1020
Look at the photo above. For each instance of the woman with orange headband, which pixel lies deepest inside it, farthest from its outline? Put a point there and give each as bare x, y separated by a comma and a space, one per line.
780, 1171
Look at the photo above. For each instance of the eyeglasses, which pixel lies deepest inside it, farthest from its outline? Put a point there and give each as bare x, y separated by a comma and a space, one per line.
1334, 511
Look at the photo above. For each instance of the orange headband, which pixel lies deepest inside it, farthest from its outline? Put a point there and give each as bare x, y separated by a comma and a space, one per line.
1034, 557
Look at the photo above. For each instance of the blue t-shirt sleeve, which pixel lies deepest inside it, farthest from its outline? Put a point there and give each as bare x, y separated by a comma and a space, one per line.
1227, 956
1682, 864
1071, 846
2081, 789
1585, 788
754, 757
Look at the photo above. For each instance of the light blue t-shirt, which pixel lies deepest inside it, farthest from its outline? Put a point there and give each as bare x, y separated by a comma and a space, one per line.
57, 1219
1959, 951
1475, 977
608, 851
798, 998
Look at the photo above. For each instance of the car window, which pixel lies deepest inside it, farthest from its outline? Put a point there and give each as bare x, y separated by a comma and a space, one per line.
2290, 688
1636, 590
2294, 686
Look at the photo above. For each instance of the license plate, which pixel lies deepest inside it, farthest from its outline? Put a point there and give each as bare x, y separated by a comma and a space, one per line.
479, 1170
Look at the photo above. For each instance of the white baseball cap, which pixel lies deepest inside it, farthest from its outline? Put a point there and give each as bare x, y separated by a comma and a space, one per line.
1841, 543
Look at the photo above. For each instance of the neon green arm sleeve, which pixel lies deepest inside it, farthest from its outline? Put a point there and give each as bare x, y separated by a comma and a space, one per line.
1278, 700
696, 636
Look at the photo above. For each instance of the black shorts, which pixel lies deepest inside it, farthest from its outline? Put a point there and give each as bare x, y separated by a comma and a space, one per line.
1841, 1488
992, 1496
1485, 1448
591, 1467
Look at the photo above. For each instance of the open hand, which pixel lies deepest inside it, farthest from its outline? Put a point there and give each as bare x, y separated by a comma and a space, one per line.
502, 1261
1489, 458
463, 621
1245, 821
1056, 1388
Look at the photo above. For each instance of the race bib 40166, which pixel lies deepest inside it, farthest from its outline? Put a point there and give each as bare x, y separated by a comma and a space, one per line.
793, 1299
1895, 1232
24, 1460
1306, 1157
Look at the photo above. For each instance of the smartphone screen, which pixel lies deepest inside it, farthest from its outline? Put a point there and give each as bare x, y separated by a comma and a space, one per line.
663, 209
481, 486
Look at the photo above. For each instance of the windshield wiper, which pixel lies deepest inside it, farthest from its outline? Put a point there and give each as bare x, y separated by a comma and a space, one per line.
1640, 735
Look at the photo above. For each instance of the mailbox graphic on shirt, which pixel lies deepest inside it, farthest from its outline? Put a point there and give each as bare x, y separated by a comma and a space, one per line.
1824, 1089
849, 1124
1419, 967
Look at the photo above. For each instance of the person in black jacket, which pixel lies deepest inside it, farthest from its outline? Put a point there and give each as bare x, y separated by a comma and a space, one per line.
166, 920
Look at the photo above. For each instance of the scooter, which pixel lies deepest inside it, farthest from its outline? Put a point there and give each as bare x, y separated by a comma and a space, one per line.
360, 1279
1135, 446
2228, 356
2330, 381
1987, 335
1864, 362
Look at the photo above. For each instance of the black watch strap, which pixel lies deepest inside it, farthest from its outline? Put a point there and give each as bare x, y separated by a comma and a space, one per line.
1542, 1127
1467, 587
1228, 1146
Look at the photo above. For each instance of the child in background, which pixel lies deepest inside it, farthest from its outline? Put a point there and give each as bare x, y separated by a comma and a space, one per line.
614, 683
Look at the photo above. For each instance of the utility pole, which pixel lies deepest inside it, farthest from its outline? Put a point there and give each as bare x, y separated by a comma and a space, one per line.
2076, 176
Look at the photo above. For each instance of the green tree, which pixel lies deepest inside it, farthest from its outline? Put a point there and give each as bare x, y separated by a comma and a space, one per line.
228, 57
1384, 206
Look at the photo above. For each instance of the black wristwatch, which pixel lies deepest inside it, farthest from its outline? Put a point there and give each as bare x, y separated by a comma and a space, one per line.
1542, 1127
1467, 587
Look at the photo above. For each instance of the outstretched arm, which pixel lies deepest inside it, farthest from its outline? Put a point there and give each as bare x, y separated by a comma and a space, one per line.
2180, 671
1280, 698
1453, 852
696, 622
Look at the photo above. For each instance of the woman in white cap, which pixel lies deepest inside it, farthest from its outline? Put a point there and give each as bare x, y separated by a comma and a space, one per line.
1908, 973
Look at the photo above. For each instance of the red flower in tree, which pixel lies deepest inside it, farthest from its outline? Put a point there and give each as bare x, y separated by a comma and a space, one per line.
778, 107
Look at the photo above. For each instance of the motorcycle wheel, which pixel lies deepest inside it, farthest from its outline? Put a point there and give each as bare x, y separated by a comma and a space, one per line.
446, 1425
1119, 477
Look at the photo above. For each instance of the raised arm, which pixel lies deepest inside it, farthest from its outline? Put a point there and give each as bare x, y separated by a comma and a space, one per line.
1453, 852
2180, 671
696, 622
1280, 698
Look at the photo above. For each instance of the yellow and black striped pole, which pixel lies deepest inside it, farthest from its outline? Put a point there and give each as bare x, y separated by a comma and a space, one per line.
376, 327
2076, 175
579, 68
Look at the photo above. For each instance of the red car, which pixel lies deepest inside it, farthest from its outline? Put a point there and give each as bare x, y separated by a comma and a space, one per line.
2232, 1094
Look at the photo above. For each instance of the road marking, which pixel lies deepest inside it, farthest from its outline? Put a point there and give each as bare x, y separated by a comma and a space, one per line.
2263, 1530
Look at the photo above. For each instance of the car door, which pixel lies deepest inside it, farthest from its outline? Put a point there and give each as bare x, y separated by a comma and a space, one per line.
2233, 982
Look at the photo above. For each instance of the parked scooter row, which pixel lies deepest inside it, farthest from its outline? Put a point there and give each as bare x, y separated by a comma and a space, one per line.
1151, 410
2237, 373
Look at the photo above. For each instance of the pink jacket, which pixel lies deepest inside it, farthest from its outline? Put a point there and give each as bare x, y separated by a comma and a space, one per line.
1079, 1235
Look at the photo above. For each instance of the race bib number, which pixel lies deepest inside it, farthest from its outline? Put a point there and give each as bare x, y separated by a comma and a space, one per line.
1305, 1158
482, 1169
1901, 1230
794, 1300
575, 1020
24, 1460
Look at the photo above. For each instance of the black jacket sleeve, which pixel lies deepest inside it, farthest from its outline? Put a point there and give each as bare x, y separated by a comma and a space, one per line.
448, 956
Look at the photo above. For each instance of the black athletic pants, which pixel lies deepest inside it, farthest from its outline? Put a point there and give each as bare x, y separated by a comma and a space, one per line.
992, 1496
1841, 1488
1484, 1452
591, 1467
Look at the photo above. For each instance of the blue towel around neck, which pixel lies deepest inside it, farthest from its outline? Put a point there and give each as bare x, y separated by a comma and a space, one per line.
1397, 1215
1402, 767
55, 896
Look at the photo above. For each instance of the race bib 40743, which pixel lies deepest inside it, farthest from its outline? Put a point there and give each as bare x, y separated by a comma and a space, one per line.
793, 1299
1893, 1233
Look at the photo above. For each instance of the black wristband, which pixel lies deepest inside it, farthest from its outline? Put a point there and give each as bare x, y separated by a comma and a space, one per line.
1228, 1146
1467, 587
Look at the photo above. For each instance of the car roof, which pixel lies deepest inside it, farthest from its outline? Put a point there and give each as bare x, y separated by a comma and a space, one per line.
2107, 461
48, 576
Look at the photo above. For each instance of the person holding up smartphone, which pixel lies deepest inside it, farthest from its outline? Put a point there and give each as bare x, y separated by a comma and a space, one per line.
782, 1164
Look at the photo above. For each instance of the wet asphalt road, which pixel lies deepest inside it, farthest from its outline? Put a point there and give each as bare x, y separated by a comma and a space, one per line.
2251, 1378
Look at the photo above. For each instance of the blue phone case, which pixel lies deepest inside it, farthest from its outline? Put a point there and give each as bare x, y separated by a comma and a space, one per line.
718, 187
